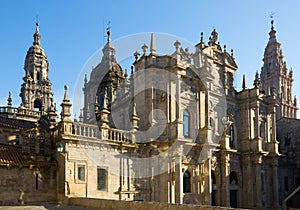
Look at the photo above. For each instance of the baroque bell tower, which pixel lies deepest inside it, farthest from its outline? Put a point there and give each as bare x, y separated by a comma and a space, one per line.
275, 76
36, 92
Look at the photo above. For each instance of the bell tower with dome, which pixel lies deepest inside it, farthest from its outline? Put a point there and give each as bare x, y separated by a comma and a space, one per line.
275, 76
110, 75
36, 92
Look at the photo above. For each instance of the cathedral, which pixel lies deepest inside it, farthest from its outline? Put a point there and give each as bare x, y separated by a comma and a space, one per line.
173, 130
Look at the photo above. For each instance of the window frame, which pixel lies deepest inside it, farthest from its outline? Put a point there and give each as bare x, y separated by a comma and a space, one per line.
231, 136
77, 173
187, 188
186, 119
105, 169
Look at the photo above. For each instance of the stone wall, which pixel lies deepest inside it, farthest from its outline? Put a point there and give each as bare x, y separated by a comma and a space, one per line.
23, 185
92, 203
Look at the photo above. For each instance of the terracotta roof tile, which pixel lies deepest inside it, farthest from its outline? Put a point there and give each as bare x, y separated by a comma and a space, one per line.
10, 154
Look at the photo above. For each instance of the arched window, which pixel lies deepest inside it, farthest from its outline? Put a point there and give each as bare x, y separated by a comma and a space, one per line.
233, 178
186, 182
231, 136
213, 178
186, 123
37, 104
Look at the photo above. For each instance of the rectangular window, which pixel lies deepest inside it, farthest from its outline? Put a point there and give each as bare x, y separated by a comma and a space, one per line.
102, 179
81, 172
36, 181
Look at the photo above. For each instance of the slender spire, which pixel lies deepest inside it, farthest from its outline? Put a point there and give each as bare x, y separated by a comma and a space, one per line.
244, 82
152, 45
66, 96
65, 106
36, 35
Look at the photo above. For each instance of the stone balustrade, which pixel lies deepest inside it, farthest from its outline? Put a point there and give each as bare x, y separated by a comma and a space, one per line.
108, 134
112, 134
86, 130
20, 112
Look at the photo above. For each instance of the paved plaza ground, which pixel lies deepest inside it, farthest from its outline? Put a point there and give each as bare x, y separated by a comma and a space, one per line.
41, 207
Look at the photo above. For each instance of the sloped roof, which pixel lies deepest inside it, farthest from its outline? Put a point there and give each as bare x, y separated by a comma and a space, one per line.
15, 123
10, 154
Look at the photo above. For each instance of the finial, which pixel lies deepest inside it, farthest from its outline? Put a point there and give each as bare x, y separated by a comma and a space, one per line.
152, 45
66, 97
81, 115
125, 73
105, 99
134, 113
214, 36
9, 99
136, 55
37, 27
177, 45
65, 106
131, 70
108, 31
291, 73
209, 42
85, 79
201, 37
256, 82
231, 52
272, 20
244, 82
224, 47
36, 35
96, 104
134, 118
144, 48
108, 36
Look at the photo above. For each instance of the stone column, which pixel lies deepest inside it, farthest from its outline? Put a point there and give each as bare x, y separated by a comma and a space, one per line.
258, 190
179, 178
248, 183
225, 168
274, 166
273, 117
257, 128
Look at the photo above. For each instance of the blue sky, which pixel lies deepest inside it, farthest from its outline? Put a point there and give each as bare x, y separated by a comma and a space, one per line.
72, 31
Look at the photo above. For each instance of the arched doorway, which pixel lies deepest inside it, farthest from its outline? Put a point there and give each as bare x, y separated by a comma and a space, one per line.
233, 189
213, 192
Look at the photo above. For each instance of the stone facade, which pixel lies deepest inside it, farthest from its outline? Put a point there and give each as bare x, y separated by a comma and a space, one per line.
175, 130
